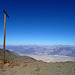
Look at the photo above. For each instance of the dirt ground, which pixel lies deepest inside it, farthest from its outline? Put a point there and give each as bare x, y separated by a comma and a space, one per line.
37, 68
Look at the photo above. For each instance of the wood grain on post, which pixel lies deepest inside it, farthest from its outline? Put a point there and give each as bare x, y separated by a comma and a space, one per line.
4, 38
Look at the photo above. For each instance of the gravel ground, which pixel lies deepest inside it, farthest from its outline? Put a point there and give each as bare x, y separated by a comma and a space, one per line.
37, 68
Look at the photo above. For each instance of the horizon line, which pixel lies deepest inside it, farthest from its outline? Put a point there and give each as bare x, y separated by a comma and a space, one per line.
39, 45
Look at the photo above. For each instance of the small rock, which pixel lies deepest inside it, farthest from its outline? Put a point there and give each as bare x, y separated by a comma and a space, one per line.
37, 69
7, 64
2, 70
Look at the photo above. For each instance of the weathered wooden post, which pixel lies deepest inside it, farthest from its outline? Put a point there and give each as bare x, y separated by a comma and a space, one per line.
5, 14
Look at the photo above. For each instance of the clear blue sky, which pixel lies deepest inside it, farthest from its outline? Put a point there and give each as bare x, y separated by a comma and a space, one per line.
41, 22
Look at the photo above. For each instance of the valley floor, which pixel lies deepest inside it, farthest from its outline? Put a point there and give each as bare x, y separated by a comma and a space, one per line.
37, 68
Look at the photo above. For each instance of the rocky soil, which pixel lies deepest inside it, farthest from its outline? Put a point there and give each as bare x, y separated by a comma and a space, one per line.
11, 56
37, 68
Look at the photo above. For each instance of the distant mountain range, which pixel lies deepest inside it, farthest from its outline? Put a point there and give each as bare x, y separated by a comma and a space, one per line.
66, 50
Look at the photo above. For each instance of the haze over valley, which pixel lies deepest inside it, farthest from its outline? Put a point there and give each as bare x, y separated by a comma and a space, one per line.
51, 53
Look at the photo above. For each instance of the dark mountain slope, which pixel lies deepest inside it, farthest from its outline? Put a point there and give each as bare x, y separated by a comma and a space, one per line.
11, 56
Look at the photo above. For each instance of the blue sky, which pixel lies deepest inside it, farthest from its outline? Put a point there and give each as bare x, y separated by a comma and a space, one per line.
40, 22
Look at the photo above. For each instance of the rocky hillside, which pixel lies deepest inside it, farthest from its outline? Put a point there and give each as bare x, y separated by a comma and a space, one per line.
11, 56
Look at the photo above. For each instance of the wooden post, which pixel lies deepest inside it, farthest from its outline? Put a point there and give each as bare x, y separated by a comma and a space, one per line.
4, 37
5, 14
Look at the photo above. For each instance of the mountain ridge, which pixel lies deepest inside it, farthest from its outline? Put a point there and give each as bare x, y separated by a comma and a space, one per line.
11, 56
67, 50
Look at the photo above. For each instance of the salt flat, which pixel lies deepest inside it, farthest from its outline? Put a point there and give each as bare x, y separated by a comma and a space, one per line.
51, 58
